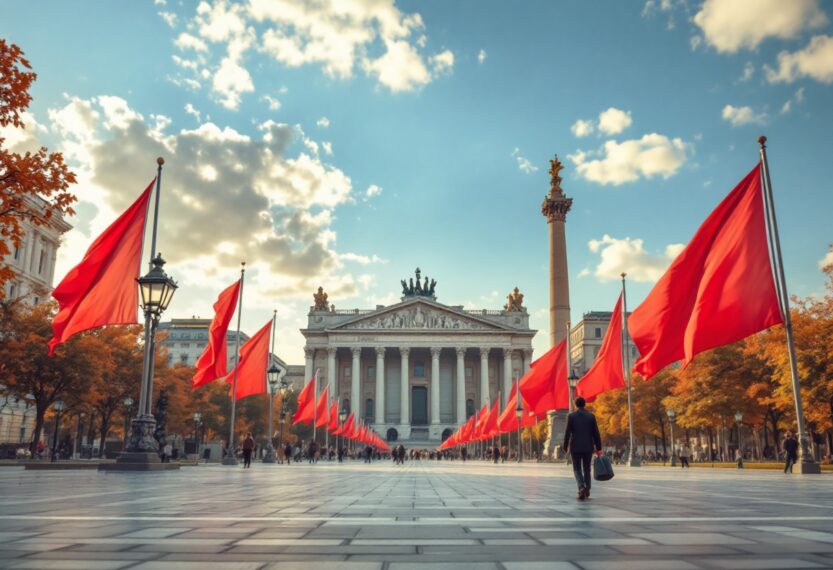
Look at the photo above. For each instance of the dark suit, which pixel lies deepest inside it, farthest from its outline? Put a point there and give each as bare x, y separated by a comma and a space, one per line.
582, 438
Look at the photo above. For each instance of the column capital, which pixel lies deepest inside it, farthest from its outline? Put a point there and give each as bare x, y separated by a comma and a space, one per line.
404, 351
380, 351
461, 351
331, 350
309, 352
484, 353
357, 351
528, 352
435, 351
507, 351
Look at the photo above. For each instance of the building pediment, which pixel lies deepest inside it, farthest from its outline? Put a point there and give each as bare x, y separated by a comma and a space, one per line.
419, 314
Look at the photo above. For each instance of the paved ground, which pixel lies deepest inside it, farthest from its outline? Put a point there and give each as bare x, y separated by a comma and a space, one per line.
424, 515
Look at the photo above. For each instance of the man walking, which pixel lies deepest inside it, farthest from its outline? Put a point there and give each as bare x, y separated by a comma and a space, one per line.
581, 438
248, 449
790, 452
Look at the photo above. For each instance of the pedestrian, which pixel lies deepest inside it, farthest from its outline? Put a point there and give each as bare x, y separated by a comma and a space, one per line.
248, 449
790, 452
287, 453
581, 438
495, 454
312, 450
685, 453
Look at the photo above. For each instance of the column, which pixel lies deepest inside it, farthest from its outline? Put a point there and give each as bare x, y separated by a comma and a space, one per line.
484, 376
461, 385
404, 390
527, 359
331, 369
380, 385
355, 386
435, 384
309, 354
507, 372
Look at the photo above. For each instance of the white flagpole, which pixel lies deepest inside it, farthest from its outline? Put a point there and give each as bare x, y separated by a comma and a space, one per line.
231, 457
806, 463
633, 461
315, 402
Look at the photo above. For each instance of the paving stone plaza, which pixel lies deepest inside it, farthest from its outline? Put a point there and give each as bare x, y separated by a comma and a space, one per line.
425, 515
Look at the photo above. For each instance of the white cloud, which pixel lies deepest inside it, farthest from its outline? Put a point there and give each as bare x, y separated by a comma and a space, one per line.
582, 128
323, 122
826, 260
748, 72
191, 110
442, 62
814, 61
617, 256
627, 161
744, 115
400, 69
613, 121
584, 272
524, 164
481, 56
169, 18
372, 190
731, 25
186, 41
231, 80
796, 99
328, 147
362, 259
273, 103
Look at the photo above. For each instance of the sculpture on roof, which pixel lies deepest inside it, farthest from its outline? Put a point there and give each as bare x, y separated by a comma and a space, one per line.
418, 286
514, 302
320, 299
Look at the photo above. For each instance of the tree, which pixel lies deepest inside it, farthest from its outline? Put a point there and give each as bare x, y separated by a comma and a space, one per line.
29, 370
33, 186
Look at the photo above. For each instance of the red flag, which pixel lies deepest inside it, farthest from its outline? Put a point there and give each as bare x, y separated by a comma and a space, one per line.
508, 419
333, 425
481, 420
544, 387
607, 371
321, 418
347, 430
254, 360
101, 290
720, 289
212, 362
490, 428
467, 431
306, 399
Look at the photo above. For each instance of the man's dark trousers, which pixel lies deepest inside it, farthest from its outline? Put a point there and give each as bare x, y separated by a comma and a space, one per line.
581, 469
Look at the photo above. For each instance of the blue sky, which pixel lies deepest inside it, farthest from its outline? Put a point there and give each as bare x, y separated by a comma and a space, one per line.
344, 148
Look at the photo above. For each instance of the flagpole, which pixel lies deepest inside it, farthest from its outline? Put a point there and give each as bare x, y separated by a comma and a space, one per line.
806, 463
315, 402
231, 457
633, 461
270, 450
519, 404
326, 426
568, 360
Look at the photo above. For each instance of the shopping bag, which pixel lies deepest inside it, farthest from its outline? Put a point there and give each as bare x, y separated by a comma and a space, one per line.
602, 468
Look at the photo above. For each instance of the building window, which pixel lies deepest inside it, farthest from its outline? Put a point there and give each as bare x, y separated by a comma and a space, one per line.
17, 253
37, 300
12, 291
183, 358
419, 370
469, 372
598, 332
371, 372
41, 261
345, 405
368, 410
186, 345
348, 371
170, 360
469, 408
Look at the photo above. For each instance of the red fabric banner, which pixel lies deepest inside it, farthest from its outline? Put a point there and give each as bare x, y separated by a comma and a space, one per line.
254, 360
212, 362
508, 419
490, 428
481, 421
306, 401
332, 426
102, 290
607, 372
544, 387
321, 418
347, 430
719, 290
466, 431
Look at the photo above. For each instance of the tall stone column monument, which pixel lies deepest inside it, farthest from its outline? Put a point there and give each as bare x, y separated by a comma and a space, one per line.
555, 207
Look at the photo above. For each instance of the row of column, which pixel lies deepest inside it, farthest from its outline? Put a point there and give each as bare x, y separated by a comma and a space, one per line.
404, 392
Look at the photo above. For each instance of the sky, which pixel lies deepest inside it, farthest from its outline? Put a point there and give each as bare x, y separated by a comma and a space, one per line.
343, 143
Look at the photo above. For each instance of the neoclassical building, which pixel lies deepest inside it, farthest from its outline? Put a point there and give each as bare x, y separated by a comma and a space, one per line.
418, 369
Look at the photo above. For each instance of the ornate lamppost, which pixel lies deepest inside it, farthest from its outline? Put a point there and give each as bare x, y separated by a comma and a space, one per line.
519, 412
128, 408
272, 376
671, 416
57, 405
342, 417
141, 452
738, 420
572, 382
284, 390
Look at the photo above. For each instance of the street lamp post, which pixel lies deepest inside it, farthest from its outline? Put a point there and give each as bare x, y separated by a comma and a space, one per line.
738, 420
284, 391
57, 405
572, 382
197, 423
342, 417
671, 416
76, 446
272, 376
128, 406
519, 412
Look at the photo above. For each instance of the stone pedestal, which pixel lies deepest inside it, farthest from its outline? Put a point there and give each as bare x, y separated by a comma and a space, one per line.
269, 456
142, 452
807, 468
557, 424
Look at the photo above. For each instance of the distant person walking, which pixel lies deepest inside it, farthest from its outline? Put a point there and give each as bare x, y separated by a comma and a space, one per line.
287, 453
581, 438
684, 454
248, 449
790, 452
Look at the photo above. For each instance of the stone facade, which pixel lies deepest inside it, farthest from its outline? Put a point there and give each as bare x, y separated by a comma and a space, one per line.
418, 369
34, 260
586, 340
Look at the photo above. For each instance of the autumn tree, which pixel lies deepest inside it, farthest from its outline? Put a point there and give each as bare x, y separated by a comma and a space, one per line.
34, 185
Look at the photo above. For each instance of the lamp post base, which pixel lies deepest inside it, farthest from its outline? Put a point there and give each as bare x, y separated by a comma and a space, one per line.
269, 456
634, 462
807, 468
142, 452
229, 460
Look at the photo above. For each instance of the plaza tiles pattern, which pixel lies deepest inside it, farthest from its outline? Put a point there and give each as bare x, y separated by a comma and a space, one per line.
422, 515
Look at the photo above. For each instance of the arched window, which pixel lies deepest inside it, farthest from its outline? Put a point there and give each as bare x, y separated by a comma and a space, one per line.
469, 408
392, 435
446, 434
368, 410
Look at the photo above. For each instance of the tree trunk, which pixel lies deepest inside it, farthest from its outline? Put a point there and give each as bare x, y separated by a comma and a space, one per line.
91, 433
664, 449
711, 445
766, 439
773, 418
40, 414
